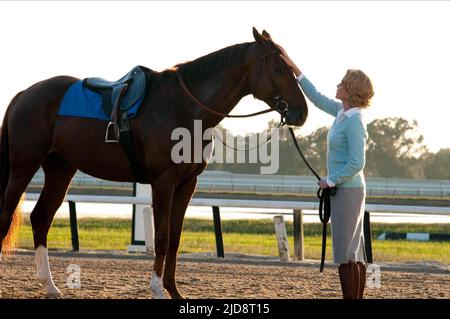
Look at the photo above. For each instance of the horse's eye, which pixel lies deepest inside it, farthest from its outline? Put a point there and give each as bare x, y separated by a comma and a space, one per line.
277, 68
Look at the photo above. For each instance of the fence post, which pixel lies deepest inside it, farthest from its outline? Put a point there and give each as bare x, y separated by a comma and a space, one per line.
368, 237
218, 232
149, 231
280, 232
74, 226
299, 252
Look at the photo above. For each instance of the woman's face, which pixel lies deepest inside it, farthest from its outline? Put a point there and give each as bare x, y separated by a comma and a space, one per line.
341, 93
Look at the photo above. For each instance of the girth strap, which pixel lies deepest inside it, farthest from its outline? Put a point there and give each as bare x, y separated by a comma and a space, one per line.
127, 141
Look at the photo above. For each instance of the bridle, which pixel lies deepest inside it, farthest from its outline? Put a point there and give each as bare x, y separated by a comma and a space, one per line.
280, 104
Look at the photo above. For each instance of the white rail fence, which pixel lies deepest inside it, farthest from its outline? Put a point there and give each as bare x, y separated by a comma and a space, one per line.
216, 184
280, 185
145, 221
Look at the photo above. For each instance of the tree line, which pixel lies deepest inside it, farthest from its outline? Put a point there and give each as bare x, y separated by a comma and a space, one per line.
394, 150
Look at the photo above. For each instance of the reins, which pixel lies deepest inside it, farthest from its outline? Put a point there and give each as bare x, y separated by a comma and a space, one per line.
324, 202
210, 110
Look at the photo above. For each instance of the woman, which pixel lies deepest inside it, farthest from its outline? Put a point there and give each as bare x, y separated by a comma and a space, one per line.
346, 142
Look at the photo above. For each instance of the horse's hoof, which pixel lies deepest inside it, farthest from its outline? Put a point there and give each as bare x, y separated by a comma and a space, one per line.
53, 295
177, 295
158, 296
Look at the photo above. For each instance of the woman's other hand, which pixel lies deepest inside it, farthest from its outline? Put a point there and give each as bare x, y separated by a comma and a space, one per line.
323, 184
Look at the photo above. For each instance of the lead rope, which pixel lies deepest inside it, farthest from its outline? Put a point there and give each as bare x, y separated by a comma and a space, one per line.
324, 202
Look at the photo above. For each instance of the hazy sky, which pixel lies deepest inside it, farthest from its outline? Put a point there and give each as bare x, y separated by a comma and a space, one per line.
403, 46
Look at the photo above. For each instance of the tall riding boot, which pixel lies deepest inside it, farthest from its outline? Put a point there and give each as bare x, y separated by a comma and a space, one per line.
362, 279
349, 276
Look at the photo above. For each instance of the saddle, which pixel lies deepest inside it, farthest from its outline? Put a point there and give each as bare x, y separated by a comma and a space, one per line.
119, 96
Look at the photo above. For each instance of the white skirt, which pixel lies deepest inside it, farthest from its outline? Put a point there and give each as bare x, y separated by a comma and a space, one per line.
347, 222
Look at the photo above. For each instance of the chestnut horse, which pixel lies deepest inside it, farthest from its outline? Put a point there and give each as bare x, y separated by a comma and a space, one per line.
33, 135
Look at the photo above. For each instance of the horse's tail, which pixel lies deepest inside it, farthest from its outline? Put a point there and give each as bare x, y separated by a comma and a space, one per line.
7, 224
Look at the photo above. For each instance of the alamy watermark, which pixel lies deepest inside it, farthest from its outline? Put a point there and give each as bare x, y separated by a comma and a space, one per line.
73, 280
191, 149
373, 280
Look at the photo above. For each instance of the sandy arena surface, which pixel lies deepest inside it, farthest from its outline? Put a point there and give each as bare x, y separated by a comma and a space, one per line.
119, 275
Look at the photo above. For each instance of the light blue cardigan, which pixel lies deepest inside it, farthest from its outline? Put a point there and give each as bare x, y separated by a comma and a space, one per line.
346, 140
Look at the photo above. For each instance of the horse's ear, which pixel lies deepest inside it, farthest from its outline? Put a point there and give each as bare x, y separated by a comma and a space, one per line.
258, 37
266, 34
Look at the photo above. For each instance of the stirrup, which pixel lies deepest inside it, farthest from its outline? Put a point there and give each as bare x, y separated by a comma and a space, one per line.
107, 140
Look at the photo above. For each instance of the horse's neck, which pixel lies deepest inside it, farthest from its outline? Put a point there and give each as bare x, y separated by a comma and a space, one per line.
223, 91
230, 91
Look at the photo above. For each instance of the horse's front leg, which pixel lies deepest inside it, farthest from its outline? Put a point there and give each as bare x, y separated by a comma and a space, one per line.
162, 192
182, 198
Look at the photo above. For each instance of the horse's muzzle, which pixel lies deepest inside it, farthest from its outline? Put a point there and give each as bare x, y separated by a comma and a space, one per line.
295, 119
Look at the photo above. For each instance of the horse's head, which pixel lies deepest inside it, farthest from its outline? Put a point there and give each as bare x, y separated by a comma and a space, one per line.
274, 83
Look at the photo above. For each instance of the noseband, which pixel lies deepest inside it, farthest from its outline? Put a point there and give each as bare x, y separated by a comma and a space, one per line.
282, 106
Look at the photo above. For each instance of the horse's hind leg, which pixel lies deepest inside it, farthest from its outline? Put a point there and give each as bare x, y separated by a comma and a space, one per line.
17, 183
182, 198
58, 175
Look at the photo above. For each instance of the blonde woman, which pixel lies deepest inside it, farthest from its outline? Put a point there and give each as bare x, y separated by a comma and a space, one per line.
346, 142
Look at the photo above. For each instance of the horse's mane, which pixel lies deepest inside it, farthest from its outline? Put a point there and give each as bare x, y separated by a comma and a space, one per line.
209, 65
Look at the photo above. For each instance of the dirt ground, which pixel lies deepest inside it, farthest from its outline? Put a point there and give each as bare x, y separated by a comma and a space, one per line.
123, 276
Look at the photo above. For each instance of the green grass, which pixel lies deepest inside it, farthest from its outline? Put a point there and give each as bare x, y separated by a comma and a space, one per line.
243, 236
93, 234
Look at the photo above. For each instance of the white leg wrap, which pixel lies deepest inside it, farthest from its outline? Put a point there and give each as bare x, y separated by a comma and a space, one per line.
156, 285
43, 273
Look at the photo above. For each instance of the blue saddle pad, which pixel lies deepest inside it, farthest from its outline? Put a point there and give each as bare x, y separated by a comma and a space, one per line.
80, 101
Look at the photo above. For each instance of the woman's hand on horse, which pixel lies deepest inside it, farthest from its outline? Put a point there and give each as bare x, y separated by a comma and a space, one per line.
289, 61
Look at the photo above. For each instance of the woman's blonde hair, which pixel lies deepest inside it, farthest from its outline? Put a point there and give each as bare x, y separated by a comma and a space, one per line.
359, 88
